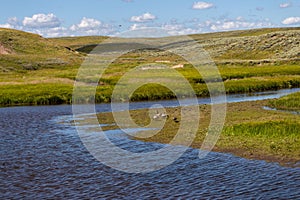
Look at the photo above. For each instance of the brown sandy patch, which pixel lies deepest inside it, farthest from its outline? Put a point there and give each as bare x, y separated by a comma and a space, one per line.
4, 51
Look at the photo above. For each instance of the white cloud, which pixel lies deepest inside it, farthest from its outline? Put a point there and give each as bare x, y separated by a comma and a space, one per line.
48, 25
202, 5
6, 25
143, 18
226, 25
90, 26
41, 21
180, 29
285, 5
137, 26
55, 32
86, 24
12, 22
291, 20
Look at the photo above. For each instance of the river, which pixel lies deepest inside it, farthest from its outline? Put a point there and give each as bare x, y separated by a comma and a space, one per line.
42, 157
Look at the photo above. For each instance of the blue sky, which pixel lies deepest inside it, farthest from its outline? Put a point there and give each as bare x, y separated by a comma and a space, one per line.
52, 18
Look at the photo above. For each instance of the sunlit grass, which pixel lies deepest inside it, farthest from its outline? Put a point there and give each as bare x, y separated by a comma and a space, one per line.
279, 138
240, 81
34, 94
289, 102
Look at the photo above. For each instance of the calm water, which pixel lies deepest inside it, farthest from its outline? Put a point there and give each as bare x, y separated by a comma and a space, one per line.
42, 157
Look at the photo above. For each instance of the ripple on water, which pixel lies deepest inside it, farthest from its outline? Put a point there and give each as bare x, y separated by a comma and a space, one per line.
44, 159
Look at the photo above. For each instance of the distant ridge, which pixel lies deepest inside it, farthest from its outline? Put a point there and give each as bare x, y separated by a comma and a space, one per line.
22, 50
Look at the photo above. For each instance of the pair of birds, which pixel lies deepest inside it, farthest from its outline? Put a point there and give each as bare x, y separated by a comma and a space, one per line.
158, 116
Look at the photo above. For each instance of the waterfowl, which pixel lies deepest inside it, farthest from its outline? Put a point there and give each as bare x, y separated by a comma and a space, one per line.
163, 115
175, 119
156, 116
160, 116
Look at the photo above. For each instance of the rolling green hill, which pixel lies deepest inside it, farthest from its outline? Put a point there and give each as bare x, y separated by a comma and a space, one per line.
27, 51
257, 46
20, 50
36, 70
254, 47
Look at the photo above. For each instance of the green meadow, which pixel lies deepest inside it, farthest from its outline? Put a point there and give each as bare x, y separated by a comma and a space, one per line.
40, 71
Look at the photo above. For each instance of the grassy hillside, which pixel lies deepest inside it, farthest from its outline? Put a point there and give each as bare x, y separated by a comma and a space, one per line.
257, 46
250, 47
27, 51
36, 70
78, 42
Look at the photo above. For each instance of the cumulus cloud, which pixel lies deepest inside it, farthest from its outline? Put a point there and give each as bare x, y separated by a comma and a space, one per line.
86, 24
171, 28
291, 20
55, 32
90, 26
143, 18
237, 24
12, 22
137, 26
41, 21
202, 5
285, 5
179, 29
6, 25
48, 25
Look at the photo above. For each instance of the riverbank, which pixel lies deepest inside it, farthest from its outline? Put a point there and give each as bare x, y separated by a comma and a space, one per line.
249, 131
55, 86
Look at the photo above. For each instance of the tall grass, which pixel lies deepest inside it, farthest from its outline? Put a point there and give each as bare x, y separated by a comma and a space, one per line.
261, 84
289, 102
57, 93
271, 129
34, 94
274, 138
